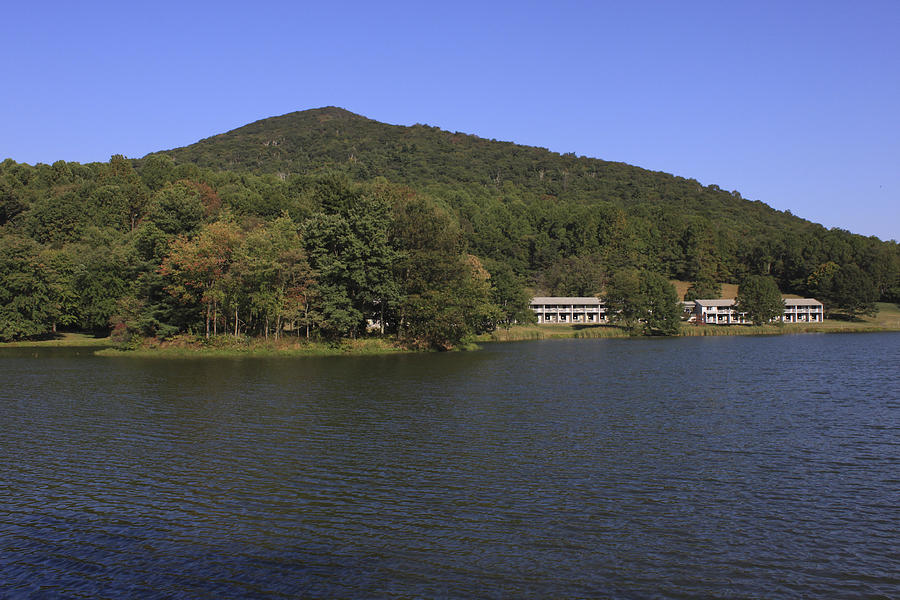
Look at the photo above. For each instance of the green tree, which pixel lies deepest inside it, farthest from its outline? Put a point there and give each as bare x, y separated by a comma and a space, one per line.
446, 313
58, 217
61, 269
11, 204
104, 270
26, 296
820, 280
847, 289
272, 278
759, 297
195, 268
157, 170
177, 208
350, 250
663, 314
445, 293
853, 291
574, 276
623, 299
705, 288
330, 246
643, 302
509, 296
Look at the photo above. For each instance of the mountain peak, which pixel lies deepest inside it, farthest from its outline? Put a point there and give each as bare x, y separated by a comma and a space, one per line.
312, 115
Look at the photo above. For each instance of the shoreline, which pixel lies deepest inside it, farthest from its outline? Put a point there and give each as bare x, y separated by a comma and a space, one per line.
559, 332
227, 347
184, 346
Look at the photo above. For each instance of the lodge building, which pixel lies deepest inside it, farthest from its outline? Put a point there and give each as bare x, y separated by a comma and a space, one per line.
590, 310
723, 312
803, 310
718, 312
551, 309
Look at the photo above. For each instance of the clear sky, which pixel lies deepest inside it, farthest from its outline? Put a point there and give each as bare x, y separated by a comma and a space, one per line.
793, 103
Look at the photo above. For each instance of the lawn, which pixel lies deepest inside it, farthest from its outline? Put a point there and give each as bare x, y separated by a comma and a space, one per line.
58, 340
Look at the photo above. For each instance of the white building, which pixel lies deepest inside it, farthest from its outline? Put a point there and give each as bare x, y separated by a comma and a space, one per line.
718, 312
803, 310
723, 312
550, 309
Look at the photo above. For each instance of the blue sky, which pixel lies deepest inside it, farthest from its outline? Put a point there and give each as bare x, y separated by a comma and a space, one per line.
794, 103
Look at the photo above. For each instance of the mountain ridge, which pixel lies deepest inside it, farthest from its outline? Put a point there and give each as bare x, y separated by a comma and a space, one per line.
348, 202
425, 157
275, 139
330, 114
534, 209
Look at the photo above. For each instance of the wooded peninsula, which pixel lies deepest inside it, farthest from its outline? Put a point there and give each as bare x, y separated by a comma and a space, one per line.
324, 225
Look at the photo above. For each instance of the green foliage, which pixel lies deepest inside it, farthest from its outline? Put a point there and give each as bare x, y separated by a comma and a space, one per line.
11, 204
624, 302
574, 276
57, 218
106, 266
176, 209
445, 297
349, 249
509, 296
26, 307
643, 302
663, 315
846, 288
532, 208
157, 170
451, 311
705, 288
759, 297
338, 222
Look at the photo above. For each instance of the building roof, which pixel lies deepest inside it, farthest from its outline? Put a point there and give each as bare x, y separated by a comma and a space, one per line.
716, 302
591, 300
802, 302
787, 302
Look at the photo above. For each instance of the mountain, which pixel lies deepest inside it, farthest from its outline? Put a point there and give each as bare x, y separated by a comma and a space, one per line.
535, 209
435, 234
420, 156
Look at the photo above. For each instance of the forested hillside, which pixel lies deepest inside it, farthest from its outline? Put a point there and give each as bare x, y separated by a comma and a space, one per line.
328, 224
542, 212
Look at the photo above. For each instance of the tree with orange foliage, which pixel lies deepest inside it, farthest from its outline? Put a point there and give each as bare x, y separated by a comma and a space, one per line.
195, 268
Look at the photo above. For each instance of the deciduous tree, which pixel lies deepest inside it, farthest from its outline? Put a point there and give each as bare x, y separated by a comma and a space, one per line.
759, 297
643, 302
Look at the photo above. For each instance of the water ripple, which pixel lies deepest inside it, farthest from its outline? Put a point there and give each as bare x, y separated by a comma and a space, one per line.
707, 467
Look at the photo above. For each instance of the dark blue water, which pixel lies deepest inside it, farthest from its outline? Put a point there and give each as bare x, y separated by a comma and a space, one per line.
685, 468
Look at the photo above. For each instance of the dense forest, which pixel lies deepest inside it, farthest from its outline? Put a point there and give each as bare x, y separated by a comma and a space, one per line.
326, 224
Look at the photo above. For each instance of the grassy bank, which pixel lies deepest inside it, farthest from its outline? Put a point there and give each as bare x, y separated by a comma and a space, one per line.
551, 331
887, 319
226, 346
60, 340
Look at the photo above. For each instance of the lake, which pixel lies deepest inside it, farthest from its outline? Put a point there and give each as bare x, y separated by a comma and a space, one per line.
720, 467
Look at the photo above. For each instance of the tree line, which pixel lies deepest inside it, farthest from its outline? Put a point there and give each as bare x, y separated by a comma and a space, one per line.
567, 223
105, 246
329, 225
